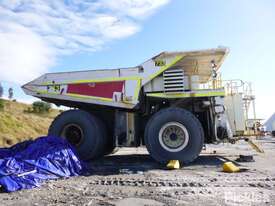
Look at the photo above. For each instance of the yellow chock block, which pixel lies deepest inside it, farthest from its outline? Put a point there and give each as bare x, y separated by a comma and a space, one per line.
230, 167
173, 164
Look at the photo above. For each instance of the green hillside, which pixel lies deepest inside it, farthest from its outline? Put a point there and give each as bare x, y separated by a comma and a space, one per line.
17, 125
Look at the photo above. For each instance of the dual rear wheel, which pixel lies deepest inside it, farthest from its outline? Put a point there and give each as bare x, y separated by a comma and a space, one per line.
84, 131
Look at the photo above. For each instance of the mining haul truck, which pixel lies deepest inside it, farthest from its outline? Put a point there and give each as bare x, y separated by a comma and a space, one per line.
173, 103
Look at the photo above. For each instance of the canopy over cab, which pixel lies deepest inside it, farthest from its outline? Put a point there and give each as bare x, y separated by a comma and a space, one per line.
199, 63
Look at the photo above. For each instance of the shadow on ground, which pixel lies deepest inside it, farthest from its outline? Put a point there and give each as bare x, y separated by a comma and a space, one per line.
138, 163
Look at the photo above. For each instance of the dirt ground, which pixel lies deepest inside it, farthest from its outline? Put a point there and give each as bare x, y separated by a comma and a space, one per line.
130, 177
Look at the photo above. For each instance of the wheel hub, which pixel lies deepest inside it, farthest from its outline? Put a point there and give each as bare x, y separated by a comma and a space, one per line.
173, 136
73, 133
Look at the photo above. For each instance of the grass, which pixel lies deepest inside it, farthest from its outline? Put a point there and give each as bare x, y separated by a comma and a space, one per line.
17, 125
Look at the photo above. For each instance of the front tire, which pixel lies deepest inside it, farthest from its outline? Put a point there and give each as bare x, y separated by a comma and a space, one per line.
174, 134
83, 130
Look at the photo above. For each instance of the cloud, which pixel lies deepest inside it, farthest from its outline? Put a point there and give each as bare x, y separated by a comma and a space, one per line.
23, 54
135, 8
34, 33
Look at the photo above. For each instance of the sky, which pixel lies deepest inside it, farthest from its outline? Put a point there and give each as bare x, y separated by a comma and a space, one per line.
39, 36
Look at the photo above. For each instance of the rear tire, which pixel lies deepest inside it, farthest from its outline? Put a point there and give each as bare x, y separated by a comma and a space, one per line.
83, 130
174, 134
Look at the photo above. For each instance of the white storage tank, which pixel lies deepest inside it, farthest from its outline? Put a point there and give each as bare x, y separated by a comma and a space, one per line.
235, 112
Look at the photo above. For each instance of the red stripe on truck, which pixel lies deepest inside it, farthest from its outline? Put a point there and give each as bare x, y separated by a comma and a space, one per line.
99, 89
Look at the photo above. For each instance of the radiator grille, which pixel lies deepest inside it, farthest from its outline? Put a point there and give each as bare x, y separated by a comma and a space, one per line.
173, 80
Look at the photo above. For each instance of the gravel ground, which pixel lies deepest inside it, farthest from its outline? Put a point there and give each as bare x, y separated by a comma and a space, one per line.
130, 177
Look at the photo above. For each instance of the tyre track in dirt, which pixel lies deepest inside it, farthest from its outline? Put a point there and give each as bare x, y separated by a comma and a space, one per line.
183, 183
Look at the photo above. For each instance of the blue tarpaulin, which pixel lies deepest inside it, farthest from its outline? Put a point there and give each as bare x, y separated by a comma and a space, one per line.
26, 165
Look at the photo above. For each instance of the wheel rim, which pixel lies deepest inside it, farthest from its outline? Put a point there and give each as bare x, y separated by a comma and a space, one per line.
73, 133
173, 136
